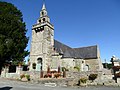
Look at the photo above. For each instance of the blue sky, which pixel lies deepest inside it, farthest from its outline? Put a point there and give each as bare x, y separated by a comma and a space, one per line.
79, 23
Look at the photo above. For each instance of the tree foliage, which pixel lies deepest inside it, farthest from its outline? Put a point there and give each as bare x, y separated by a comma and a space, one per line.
93, 76
13, 40
107, 65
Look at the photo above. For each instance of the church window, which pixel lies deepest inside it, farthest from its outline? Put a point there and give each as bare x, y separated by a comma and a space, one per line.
39, 21
82, 61
43, 19
34, 65
42, 13
86, 67
41, 28
39, 60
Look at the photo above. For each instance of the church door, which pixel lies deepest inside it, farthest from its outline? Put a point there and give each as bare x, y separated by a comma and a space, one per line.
86, 68
39, 64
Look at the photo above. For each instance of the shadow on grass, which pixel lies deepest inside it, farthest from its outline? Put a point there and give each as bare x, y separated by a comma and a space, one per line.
5, 88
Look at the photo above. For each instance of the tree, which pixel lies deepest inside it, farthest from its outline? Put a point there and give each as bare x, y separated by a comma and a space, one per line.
107, 65
93, 77
13, 40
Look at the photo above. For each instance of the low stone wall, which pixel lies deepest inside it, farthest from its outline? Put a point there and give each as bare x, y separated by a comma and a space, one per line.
11, 75
19, 71
70, 80
33, 74
102, 79
78, 75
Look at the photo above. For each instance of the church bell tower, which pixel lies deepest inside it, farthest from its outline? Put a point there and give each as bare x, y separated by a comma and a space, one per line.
42, 42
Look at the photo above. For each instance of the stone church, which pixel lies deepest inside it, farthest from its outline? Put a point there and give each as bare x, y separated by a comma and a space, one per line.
47, 52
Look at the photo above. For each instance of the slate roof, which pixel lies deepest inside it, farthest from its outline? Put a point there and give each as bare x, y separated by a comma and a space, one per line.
83, 52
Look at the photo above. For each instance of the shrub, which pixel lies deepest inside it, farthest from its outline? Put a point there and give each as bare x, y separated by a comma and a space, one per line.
25, 76
48, 75
28, 77
63, 69
56, 75
78, 68
22, 76
93, 76
83, 80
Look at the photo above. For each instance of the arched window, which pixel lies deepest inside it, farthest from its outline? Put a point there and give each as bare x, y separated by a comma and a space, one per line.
42, 13
43, 19
34, 65
39, 60
39, 63
86, 67
39, 21
82, 61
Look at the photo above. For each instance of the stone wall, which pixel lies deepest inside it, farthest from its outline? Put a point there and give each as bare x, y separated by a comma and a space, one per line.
93, 64
78, 75
68, 63
102, 78
71, 77
16, 75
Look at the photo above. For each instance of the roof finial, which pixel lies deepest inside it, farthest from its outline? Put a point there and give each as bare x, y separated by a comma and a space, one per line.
43, 7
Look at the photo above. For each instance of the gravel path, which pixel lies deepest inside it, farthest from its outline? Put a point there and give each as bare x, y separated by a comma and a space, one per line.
6, 84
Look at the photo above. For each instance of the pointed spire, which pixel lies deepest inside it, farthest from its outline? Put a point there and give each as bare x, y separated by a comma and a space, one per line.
43, 7
43, 14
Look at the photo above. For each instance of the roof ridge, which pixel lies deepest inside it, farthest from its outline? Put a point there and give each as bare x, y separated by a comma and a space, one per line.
87, 46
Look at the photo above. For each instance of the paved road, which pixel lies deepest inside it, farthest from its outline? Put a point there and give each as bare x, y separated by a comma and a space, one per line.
16, 85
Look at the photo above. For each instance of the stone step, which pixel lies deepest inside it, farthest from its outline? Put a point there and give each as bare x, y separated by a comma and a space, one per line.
51, 84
